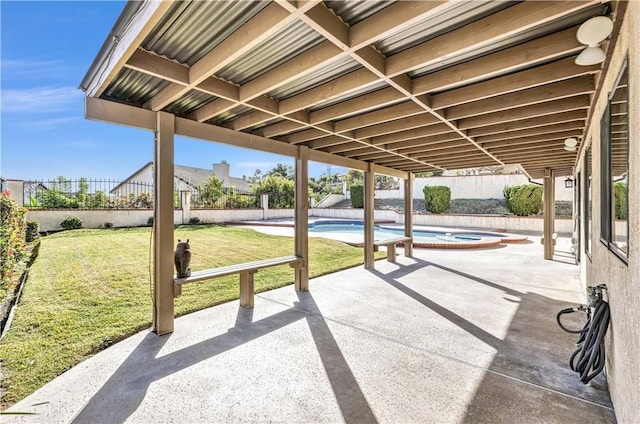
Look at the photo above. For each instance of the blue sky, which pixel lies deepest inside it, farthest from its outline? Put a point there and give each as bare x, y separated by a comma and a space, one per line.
46, 49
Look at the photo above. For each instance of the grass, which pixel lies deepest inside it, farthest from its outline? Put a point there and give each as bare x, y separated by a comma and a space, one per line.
91, 288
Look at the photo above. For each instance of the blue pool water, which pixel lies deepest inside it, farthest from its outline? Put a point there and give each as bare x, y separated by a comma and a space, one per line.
382, 232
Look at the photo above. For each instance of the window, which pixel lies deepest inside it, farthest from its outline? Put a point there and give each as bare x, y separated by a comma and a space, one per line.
587, 201
615, 168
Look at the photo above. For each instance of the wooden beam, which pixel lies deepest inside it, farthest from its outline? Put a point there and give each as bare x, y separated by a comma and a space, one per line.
159, 67
118, 113
539, 50
416, 121
497, 26
542, 109
421, 132
325, 142
390, 113
530, 78
371, 101
557, 137
338, 87
576, 126
531, 96
369, 187
537, 122
408, 213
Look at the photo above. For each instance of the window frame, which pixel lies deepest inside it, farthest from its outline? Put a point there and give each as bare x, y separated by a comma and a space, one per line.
607, 201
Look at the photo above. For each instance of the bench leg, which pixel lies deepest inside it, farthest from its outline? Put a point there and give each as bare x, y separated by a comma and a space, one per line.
246, 289
391, 252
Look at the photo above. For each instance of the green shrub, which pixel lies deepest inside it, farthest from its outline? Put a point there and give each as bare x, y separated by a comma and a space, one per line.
71, 223
357, 195
33, 231
108, 225
12, 238
437, 199
150, 221
621, 205
281, 191
194, 220
524, 200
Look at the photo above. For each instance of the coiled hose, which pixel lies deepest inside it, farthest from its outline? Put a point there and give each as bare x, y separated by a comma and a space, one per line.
589, 357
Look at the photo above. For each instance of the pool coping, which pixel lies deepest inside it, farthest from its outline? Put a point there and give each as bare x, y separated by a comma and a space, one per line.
483, 242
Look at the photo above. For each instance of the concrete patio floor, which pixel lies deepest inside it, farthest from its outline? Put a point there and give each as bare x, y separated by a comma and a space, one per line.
447, 337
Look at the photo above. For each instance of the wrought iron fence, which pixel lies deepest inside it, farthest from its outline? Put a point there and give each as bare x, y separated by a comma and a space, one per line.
90, 194
226, 198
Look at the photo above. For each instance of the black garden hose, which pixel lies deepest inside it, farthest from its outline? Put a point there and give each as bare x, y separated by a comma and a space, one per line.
589, 357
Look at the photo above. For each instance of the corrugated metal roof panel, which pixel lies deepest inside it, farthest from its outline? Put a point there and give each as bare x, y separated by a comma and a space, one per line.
134, 87
365, 90
230, 115
353, 12
539, 31
288, 43
189, 102
457, 15
192, 28
321, 76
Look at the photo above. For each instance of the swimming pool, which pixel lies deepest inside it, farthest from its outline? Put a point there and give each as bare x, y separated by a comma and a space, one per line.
421, 237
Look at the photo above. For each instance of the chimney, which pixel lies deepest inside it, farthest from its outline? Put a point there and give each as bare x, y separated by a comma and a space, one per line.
221, 170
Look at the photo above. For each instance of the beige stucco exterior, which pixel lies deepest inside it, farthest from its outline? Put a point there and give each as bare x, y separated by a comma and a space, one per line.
623, 281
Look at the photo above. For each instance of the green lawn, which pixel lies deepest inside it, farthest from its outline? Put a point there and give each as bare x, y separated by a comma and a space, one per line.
91, 288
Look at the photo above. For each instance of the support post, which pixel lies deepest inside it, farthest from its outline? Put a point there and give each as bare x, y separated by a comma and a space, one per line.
408, 213
185, 204
369, 186
549, 213
302, 218
163, 224
247, 289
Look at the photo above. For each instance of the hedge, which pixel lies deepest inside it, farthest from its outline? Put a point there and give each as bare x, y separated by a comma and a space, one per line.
12, 238
437, 199
357, 195
523, 200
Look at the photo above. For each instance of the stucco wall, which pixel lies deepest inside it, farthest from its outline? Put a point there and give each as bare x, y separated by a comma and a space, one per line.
50, 219
623, 281
473, 187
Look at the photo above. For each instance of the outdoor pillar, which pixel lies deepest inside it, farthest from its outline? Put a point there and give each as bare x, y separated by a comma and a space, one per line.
369, 187
408, 212
549, 213
163, 224
185, 205
302, 218
264, 199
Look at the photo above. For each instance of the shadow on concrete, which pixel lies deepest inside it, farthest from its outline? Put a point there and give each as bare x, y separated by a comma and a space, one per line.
125, 390
529, 375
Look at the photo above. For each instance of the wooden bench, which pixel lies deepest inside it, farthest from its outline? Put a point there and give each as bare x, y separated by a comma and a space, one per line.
246, 271
391, 246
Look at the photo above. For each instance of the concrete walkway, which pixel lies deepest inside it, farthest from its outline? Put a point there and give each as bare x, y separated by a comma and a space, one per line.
447, 337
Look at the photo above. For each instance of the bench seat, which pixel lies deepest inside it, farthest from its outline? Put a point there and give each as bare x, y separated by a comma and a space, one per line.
391, 246
245, 270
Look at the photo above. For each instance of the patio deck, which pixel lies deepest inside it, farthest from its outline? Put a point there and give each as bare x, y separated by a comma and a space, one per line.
446, 336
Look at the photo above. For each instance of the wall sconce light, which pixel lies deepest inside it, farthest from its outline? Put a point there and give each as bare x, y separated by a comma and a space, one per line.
592, 33
568, 182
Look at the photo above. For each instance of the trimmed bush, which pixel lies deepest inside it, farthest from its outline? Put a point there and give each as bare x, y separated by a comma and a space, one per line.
150, 221
437, 199
524, 200
108, 225
33, 231
71, 223
357, 195
194, 220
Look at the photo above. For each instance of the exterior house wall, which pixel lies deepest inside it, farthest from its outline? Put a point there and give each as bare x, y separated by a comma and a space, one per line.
473, 187
144, 175
623, 280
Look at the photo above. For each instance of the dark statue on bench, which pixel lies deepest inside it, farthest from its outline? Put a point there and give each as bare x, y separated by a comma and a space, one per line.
182, 258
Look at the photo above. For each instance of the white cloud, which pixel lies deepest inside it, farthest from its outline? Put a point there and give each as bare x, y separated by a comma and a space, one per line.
45, 124
21, 69
37, 100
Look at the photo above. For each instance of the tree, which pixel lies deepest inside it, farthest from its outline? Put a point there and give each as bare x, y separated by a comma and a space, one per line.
281, 190
282, 170
210, 191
